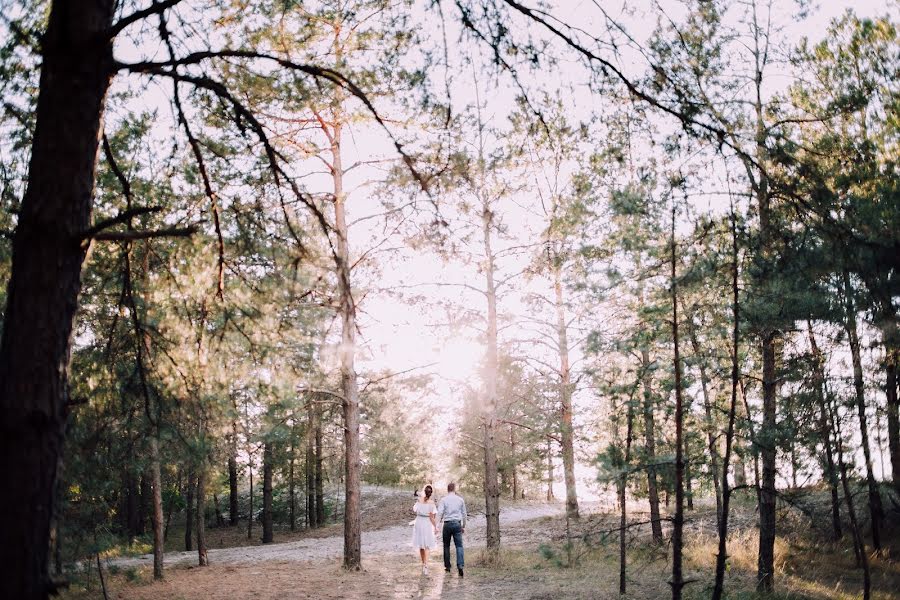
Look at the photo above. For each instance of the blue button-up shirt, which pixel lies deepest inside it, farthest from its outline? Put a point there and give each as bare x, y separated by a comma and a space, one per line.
452, 508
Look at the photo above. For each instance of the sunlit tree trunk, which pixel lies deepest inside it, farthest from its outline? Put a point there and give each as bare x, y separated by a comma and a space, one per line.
158, 526
349, 386
566, 437
491, 483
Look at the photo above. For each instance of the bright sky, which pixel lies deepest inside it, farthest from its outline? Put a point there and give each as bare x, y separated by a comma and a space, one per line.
400, 335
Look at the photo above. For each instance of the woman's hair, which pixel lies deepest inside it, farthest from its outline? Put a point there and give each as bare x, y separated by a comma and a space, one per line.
428, 492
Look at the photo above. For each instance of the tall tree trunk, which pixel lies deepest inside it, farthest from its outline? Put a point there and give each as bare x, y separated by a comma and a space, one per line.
722, 555
233, 476
876, 511
623, 507
320, 476
825, 433
512, 466
892, 358
767, 496
678, 522
349, 386
189, 512
132, 505
859, 545
311, 514
145, 505
491, 483
550, 475
202, 558
158, 525
292, 492
267, 493
650, 448
566, 434
251, 516
45, 279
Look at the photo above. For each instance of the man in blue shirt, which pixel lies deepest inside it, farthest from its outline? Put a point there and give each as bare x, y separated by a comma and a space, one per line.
452, 511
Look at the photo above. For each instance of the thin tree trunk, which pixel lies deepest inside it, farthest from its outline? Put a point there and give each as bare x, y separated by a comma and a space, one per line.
550, 475
722, 555
189, 512
678, 522
859, 545
766, 441
825, 434
491, 484
292, 492
893, 414
233, 512
45, 280
311, 514
876, 511
220, 518
251, 515
146, 503
515, 476
566, 436
650, 448
267, 494
158, 526
320, 476
349, 386
202, 558
623, 507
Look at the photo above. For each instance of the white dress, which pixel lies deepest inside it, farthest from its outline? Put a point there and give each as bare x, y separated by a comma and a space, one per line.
423, 531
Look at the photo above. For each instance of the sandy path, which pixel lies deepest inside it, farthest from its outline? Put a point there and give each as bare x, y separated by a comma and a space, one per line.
391, 540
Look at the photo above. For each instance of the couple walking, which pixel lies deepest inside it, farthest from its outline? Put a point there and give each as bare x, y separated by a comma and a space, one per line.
452, 512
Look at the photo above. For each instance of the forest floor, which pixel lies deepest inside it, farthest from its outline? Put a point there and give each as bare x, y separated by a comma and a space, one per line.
533, 564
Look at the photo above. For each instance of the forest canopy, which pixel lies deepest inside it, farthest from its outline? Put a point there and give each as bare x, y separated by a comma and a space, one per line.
262, 261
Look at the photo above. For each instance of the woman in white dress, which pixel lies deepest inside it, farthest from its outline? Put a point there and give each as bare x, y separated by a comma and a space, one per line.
425, 526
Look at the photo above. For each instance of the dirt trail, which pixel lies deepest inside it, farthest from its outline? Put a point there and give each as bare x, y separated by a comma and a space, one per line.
387, 541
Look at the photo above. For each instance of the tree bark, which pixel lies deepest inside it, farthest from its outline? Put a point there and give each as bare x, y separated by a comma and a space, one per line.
202, 559
349, 386
623, 507
650, 448
189, 512
825, 433
250, 517
158, 526
45, 280
767, 497
233, 510
292, 492
566, 434
678, 521
876, 511
311, 514
267, 494
722, 554
892, 358
320, 476
491, 483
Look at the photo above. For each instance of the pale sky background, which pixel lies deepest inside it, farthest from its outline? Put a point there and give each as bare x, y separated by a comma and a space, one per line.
398, 335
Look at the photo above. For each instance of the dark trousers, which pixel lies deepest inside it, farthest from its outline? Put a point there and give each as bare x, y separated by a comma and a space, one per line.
453, 529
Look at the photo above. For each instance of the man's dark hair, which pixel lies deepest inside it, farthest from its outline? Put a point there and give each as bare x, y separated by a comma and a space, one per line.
451, 487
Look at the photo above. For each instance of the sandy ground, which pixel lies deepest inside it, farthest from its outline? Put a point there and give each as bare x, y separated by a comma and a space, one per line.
395, 540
